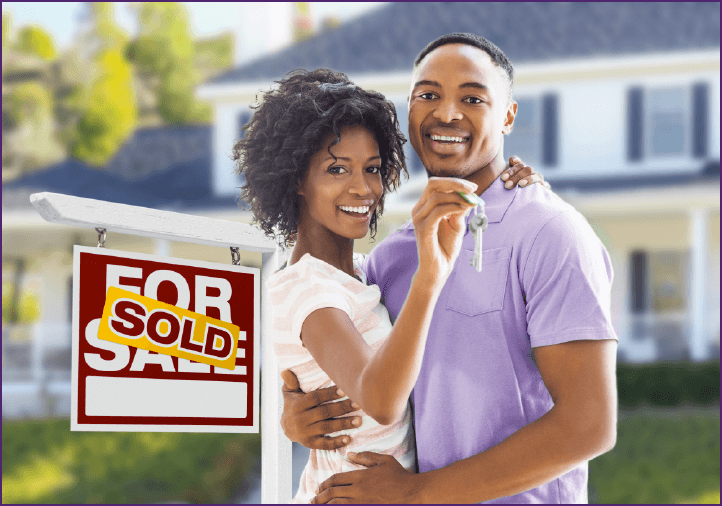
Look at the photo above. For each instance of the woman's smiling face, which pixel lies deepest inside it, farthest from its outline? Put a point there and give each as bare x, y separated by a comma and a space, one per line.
340, 195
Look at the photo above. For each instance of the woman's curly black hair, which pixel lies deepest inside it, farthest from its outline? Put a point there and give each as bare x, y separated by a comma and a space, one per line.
291, 125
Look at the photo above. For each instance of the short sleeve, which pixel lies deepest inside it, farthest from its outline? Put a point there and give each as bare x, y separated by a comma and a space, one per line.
567, 281
298, 292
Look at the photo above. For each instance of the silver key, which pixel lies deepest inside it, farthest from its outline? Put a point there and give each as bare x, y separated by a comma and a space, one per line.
477, 225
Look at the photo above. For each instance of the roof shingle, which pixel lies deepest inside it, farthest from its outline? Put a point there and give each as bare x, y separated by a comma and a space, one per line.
388, 39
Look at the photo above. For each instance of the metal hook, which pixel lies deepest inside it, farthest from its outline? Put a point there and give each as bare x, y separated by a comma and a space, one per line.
101, 237
235, 256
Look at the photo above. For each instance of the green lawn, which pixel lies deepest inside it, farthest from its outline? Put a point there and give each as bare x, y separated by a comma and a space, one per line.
43, 462
661, 456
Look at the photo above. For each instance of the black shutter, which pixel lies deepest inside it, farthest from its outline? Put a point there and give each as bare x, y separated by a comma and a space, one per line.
550, 130
700, 119
638, 278
634, 124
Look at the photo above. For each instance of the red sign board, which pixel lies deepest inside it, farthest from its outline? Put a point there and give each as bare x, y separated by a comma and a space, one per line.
117, 387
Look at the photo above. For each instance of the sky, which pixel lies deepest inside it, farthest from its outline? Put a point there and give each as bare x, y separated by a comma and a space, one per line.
207, 18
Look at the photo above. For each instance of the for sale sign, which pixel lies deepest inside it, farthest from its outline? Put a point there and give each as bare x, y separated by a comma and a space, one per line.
146, 364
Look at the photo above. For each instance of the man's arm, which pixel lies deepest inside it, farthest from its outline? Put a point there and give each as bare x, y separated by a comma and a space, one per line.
580, 377
308, 418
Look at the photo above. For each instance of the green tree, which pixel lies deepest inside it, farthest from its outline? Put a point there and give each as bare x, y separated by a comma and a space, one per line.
36, 41
105, 32
166, 55
110, 110
29, 128
28, 101
6, 27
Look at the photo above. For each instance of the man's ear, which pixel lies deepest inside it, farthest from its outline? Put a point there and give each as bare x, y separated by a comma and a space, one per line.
509, 120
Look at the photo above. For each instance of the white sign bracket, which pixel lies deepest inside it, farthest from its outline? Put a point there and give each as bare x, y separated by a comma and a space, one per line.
153, 223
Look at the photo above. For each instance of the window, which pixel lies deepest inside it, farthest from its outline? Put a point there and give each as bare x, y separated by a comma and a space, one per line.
667, 122
535, 136
243, 119
525, 139
659, 282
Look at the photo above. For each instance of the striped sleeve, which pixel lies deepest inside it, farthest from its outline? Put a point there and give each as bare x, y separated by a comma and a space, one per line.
297, 293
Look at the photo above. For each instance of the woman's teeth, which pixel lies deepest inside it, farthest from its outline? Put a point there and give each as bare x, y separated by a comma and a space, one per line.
446, 138
358, 210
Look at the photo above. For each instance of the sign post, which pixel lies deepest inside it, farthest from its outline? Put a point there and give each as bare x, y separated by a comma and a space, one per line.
120, 218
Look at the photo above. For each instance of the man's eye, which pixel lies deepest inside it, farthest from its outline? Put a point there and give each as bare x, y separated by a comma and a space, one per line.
427, 96
473, 100
373, 170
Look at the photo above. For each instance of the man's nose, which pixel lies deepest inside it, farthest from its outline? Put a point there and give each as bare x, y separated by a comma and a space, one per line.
447, 111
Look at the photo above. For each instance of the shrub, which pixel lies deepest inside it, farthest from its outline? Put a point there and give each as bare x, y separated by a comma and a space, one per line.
668, 383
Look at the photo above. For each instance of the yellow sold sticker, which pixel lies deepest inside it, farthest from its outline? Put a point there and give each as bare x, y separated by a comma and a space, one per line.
142, 322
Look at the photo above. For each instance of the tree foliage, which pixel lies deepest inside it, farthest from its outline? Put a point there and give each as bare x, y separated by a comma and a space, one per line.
110, 110
6, 28
165, 49
28, 101
107, 32
36, 41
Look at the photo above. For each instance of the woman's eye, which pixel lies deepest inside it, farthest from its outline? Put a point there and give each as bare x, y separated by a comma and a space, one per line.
336, 170
427, 96
474, 100
374, 170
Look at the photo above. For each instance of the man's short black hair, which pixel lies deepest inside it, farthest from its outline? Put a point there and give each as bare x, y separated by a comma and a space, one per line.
470, 39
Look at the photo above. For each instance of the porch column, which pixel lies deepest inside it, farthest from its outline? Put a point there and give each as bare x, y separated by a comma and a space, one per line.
698, 345
162, 247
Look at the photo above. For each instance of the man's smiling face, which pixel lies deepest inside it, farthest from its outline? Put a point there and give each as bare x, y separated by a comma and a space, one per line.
459, 108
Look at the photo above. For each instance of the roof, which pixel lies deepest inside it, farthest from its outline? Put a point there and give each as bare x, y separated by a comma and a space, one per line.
389, 39
167, 167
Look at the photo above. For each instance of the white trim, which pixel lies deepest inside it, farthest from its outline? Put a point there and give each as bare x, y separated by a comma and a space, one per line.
698, 341
142, 221
398, 81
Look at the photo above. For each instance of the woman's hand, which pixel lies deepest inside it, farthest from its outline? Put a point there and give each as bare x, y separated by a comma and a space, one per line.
522, 175
439, 224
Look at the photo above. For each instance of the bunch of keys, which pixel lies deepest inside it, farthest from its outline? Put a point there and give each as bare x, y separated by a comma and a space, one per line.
477, 225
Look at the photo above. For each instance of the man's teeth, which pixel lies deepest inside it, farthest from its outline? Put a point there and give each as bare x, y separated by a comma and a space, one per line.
359, 210
446, 138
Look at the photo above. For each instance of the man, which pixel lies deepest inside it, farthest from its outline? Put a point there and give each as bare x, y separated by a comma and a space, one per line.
517, 390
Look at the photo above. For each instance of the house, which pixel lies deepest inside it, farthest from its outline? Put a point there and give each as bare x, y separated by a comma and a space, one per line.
618, 108
165, 168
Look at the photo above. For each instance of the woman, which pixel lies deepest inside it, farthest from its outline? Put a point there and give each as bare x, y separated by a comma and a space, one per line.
318, 157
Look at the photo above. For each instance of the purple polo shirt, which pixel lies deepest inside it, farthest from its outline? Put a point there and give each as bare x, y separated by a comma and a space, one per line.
545, 279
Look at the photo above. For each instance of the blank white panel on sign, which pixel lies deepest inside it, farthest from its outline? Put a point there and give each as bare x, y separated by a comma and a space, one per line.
108, 396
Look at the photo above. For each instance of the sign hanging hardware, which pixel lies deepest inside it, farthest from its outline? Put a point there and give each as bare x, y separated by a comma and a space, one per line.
101, 237
235, 256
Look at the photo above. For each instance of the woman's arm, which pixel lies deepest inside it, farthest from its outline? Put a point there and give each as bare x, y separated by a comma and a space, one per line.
381, 382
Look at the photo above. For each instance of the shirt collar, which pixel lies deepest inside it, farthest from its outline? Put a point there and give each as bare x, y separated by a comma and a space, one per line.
497, 200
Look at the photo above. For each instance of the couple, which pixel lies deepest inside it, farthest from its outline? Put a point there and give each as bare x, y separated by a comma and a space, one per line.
514, 387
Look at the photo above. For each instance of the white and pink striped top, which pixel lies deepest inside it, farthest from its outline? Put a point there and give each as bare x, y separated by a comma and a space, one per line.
294, 293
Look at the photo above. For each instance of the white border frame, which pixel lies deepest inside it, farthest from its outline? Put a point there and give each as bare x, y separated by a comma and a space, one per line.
75, 426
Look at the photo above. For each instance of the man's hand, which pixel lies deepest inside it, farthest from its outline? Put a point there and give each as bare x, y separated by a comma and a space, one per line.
384, 482
521, 174
307, 418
